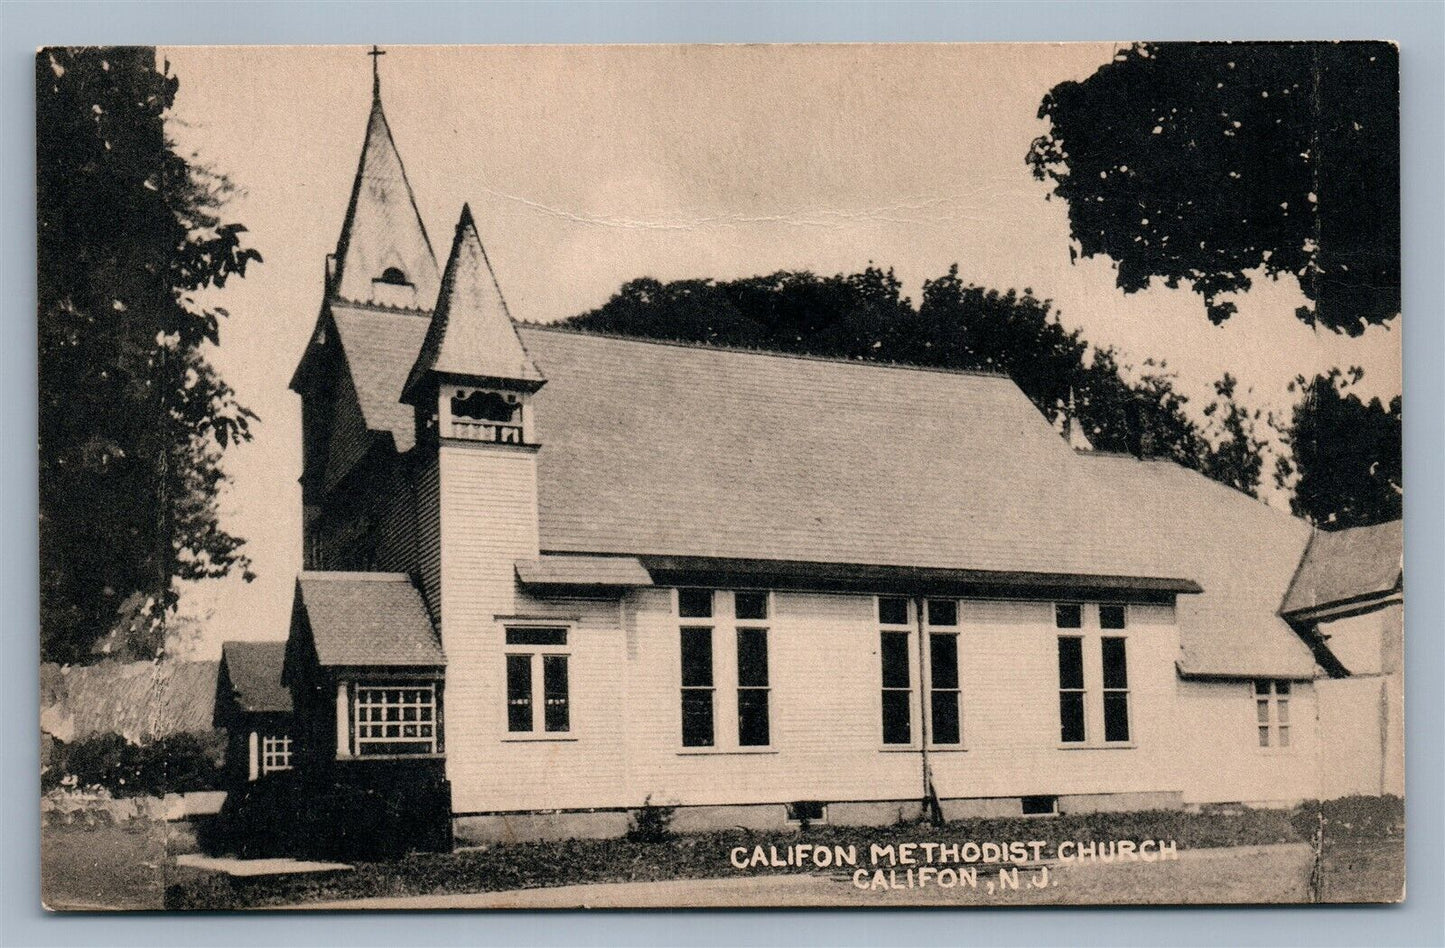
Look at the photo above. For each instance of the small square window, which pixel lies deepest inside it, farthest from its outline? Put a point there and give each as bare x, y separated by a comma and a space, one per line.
893, 611
942, 612
809, 811
694, 603
1039, 805
1068, 615
750, 605
1111, 617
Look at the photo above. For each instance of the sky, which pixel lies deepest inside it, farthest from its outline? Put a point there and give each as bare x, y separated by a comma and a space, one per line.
588, 166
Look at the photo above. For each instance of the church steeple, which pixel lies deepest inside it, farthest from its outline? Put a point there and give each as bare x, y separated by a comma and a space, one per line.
383, 255
472, 356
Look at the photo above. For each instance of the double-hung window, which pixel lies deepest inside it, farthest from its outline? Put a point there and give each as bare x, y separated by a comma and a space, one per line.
944, 724
1271, 708
1073, 728
752, 650
1079, 715
724, 657
537, 678
697, 677
897, 678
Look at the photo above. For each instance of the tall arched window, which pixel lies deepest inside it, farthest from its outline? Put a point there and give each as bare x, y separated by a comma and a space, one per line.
393, 277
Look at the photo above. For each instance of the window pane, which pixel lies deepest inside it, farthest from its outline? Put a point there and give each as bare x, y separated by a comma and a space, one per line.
893, 611
1264, 737
1071, 662
945, 717
753, 717
694, 603
895, 659
943, 660
1281, 687
752, 658
1261, 711
1071, 716
1283, 736
750, 605
1116, 716
1261, 687
897, 729
519, 692
1116, 673
942, 612
1281, 710
1111, 617
697, 658
1069, 615
536, 636
697, 717
554, 690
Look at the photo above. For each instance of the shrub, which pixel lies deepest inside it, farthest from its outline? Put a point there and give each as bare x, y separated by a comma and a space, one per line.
178, 763
651, 823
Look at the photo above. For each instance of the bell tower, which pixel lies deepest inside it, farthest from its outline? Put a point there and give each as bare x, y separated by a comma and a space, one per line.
471, 388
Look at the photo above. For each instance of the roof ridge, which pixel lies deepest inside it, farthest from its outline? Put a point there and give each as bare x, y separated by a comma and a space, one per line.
775, 353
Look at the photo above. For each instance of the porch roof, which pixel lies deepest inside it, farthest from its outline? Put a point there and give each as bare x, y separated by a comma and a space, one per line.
367, 619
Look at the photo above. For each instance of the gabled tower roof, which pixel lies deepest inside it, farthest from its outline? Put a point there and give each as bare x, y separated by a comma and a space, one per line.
383, 230
471, 332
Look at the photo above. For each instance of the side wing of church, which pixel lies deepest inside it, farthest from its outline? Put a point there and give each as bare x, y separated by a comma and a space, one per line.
554, 577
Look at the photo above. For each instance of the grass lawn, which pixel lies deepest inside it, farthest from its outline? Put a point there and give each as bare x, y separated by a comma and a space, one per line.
103, 867
1364, 860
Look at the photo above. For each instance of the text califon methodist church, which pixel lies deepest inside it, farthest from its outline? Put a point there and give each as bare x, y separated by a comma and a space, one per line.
553, 577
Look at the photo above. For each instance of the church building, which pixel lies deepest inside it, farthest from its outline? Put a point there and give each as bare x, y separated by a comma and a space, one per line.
553, 577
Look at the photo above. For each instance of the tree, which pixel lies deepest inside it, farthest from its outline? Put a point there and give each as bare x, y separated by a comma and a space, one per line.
133, 417
955, 326
1344, 453
1204, 162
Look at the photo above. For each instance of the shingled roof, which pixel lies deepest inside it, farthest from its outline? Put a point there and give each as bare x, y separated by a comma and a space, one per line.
669, 450
367, 619
1343, 566
471, 333
1241, 551
253, 670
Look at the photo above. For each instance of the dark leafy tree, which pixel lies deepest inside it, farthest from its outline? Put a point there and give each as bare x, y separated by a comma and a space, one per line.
133, 417
957, 326
1236, 455
1204, 162
1344, 453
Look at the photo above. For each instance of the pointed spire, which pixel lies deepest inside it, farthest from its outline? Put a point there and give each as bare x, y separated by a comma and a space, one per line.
471, 333
383, 255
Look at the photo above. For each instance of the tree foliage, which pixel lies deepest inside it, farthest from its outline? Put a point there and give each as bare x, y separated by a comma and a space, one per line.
1344, 453
1203, 162
955, 326
133, 416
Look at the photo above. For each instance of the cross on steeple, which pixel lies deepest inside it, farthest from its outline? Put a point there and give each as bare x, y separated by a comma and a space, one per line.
376, 53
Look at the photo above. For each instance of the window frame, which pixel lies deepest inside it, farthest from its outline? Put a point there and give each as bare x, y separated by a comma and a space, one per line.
908, 630
1105, 690
384, 684
1076, 635
726, 690
276, 752
536, 655
1278, 734
928, 675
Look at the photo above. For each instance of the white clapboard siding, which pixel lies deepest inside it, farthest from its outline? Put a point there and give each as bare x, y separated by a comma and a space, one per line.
1219, 758
488, 522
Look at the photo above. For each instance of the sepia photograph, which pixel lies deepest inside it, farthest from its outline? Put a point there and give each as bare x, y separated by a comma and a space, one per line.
699, 476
